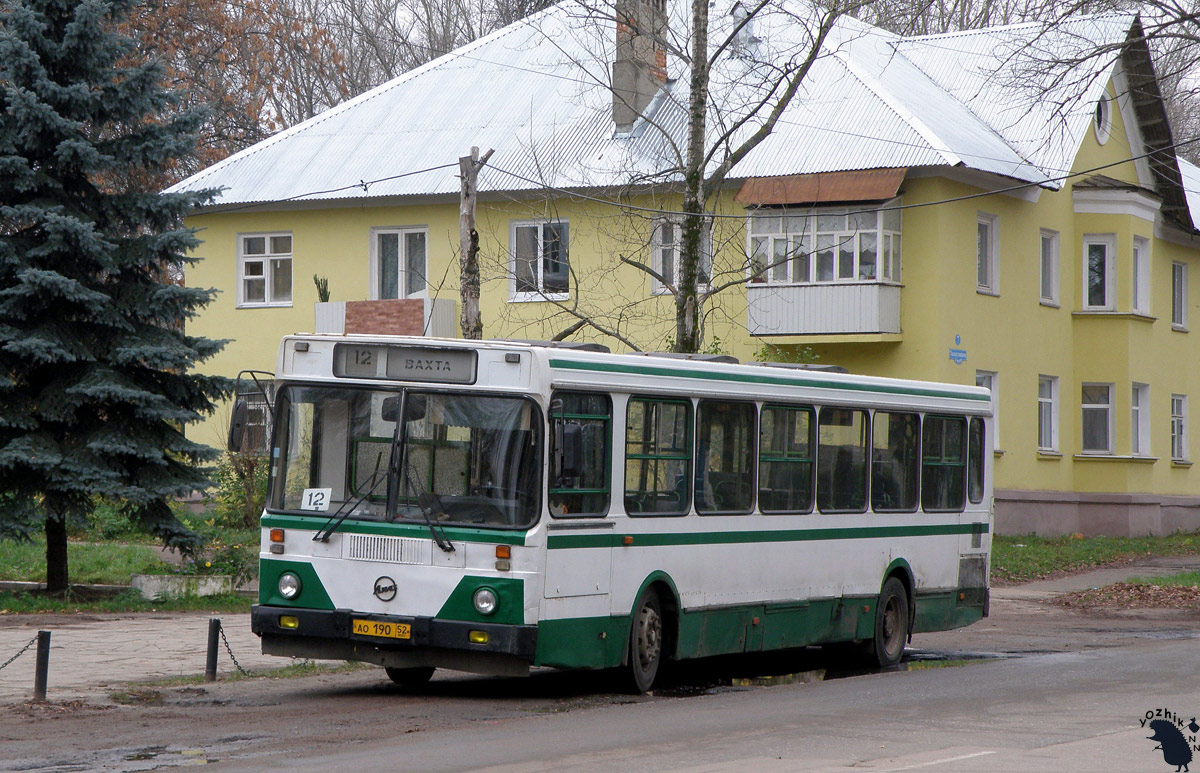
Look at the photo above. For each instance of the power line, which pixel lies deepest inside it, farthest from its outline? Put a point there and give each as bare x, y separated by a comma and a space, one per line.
897, 207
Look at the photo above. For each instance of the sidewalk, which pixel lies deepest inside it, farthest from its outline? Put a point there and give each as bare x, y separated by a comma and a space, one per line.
92, 653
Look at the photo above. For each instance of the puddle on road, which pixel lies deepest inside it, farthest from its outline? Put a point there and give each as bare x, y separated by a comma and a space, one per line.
698, 682
142, 758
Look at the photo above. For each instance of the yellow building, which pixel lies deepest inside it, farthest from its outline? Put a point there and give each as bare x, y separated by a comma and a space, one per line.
918, 212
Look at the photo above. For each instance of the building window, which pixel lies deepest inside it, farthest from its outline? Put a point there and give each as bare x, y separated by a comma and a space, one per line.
399, 262
834, 245
1140, 295
986, 249
540, 267
1047, 413
1102, 119
1049, 265
1099, 287
1179, 296
1096, 404
265, 269
1179, 445
990, 381
665, 255
1139, 420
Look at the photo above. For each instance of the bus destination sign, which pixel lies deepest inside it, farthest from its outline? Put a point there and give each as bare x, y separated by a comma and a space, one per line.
404, 363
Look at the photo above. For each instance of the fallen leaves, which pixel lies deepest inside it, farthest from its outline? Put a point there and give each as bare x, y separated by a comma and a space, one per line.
1128, 595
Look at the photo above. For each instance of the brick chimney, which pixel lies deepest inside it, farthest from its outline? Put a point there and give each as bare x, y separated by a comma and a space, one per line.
640, 66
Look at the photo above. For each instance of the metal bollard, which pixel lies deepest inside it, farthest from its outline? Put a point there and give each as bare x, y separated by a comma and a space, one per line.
42, 666
210, 667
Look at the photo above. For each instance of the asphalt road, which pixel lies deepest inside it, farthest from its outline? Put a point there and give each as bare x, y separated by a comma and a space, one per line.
1059, 712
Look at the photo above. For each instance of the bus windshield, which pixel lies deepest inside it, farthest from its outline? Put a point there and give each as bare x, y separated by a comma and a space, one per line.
467, 458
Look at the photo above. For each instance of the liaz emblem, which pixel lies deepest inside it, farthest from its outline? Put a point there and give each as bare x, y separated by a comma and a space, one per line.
385, 589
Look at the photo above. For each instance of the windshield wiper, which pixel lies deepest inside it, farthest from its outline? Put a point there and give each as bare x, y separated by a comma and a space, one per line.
339, 516
428, 503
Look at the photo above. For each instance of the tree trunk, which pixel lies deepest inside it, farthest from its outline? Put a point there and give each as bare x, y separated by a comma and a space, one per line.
470, 319
56, 553
687, 303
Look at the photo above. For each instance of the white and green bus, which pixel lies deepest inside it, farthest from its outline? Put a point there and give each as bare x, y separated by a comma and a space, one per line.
491, 506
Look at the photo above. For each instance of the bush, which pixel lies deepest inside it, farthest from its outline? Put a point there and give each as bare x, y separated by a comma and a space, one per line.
241, 492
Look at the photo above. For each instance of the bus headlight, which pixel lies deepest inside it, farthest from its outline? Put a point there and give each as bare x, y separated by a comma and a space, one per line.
289, 585
485, 601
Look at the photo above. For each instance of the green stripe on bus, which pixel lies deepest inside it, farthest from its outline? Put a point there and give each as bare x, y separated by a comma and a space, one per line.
706, 375
570, 541
394, 529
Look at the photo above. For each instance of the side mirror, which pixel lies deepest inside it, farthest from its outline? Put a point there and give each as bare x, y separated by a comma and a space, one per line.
237, 424
390, 410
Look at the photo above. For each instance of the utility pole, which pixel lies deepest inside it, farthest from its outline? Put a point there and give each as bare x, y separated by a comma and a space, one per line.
468, 259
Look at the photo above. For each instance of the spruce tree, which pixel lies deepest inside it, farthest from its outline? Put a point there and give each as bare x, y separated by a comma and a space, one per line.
96, 370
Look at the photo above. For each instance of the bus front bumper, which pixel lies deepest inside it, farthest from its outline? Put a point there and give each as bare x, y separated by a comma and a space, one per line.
324, 634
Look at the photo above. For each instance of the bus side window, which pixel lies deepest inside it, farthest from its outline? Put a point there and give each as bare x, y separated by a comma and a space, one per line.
842, 460
581, 429
944, 464
976, 467
786, 442
658, 446
725, 457
894, 462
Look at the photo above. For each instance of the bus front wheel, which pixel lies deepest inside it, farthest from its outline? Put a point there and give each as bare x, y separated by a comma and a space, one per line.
646, 641
410, 677
891, 624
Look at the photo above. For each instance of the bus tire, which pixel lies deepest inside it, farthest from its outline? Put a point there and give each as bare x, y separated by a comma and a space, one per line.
646, 635
410, 677
891, 624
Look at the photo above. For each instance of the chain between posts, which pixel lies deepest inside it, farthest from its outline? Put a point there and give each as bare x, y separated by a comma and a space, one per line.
21, 652
228, 649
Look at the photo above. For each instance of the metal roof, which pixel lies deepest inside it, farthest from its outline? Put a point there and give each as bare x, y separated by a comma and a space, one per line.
536, 93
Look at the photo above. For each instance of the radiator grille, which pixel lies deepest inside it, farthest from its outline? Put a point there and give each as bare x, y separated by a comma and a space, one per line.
396, 550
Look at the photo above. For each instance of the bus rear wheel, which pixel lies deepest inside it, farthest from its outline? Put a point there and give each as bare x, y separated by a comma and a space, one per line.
646, 641
891, 624
410, 677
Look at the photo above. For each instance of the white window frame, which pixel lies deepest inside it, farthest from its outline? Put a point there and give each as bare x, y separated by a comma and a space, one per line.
990, 380
1139, 420
1102, 119
1179, 435
987, 252
1179, 296
1109, 242
658, 246
1105, 409
770, 232
1139, 296
265, 259
1048, 409
540, 294
1048, 266
376, 269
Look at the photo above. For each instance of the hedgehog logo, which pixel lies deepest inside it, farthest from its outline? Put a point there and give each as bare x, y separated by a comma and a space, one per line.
1172, 743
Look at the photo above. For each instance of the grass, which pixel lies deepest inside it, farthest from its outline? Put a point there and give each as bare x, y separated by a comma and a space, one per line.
1181, 580
21, 602
1020, 559
108, 563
